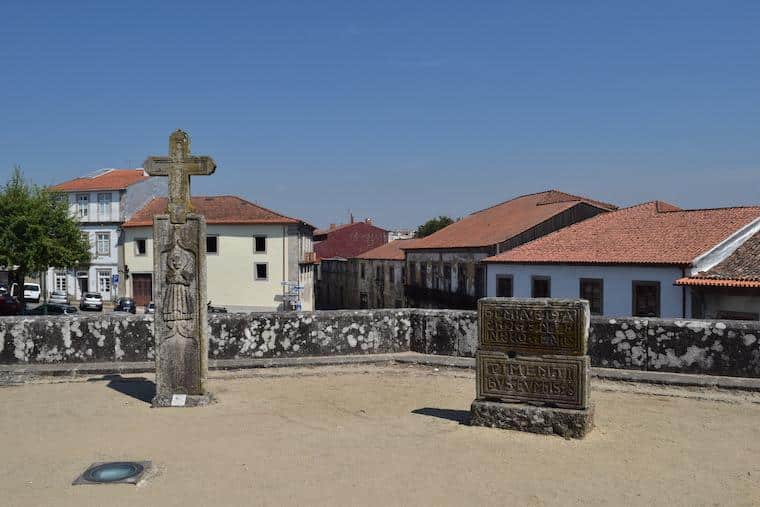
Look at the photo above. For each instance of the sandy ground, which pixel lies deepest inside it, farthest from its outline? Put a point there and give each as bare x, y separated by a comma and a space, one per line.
372, 435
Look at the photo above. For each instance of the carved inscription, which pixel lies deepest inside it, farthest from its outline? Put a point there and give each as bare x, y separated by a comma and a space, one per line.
533, 326
562, 382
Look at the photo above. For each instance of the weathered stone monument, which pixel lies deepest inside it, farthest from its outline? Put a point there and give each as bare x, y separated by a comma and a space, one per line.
532, 367
179, 289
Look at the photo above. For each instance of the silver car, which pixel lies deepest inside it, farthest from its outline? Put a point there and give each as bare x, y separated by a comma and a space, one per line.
58, 296
91, 301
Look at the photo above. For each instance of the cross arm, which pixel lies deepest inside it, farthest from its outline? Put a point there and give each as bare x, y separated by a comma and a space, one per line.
157, 166
200, 166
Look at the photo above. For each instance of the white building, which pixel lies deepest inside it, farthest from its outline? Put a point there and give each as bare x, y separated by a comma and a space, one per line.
625, 262
256, 259
101, 202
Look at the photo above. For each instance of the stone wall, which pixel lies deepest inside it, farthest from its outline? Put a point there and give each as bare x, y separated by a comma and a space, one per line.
688, 346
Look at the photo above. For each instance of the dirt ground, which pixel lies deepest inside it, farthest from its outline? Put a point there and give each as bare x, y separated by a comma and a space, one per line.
372, 435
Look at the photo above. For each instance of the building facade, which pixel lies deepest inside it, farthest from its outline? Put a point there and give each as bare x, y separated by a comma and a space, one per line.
630, 262
256, 259
374, 279
446, 270
101, 203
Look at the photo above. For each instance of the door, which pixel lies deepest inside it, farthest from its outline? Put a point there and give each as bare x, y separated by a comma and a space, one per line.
142, 289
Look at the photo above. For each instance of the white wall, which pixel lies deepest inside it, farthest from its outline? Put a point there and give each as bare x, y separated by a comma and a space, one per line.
617, 288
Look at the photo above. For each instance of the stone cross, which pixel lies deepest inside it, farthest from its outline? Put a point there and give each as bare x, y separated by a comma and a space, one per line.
179, 288
179, 166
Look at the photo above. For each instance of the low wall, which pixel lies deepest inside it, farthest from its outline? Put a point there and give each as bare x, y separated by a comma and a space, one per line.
683, 346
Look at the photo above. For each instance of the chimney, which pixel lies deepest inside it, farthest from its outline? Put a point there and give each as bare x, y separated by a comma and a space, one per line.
332, 226
351, 216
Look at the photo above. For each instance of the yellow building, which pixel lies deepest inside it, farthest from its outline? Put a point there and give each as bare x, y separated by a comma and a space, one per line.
256, 259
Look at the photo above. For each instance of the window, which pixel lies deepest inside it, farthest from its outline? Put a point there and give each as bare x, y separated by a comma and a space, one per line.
363, 271
397, 303
503, 286
104, 282
86, 238
261, 271
60, 281
423, 274
212, 245
591, 289
447, 277
379, 274
363, 300
103, 244
83, 204
541, 287
104, 206
260, 244
646, 299
462, 278
480, 289
403, 274
140, 246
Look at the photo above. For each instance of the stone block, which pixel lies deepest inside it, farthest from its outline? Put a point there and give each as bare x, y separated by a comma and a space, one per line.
618, 343
564, 422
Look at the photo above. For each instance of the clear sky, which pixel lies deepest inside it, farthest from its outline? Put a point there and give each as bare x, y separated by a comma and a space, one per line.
395, 110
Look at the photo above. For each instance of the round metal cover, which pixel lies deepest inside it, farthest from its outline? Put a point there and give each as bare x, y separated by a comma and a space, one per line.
113, 472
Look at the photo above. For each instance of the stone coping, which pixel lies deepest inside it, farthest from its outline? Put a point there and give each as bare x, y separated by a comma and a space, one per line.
19, 373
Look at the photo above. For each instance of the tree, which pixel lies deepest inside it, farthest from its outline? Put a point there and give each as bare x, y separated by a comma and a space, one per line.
36, 231
433, 225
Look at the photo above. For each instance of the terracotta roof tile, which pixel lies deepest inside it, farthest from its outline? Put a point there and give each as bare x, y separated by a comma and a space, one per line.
503, 221
330, 230
112, 179
650, 233
740, 269
218, 209
391, 251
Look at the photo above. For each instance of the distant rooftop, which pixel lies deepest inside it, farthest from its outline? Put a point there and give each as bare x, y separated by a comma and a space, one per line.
505, 220
651, 233
104, 179
218, 209
740, 269
390, 251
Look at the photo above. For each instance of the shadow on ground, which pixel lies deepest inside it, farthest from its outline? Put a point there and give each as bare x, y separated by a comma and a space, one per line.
139, 388
460, 416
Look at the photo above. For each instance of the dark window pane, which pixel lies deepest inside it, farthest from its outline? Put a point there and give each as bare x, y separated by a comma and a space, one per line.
646, 299
541, 287
591, 289
261, 243
261, 271
211, 244
504, 286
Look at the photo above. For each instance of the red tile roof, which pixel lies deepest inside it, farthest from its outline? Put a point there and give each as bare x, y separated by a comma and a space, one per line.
740, 269
503, 221
350, 240
218, 209
390, 251
112, 179
650, 233
330, 230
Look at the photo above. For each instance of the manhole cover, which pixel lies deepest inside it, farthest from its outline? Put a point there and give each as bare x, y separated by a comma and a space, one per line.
114, 472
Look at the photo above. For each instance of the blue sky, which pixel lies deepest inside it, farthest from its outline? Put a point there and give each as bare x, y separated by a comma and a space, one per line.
395, 110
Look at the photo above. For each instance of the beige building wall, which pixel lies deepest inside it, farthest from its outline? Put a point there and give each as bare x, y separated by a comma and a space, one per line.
231, 273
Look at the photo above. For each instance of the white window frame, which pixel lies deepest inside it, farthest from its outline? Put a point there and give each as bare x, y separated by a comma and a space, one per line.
104, 275
217, 244
265, 244
104, 214
61, 281
83, 205
256, 271
137, 250
98, 239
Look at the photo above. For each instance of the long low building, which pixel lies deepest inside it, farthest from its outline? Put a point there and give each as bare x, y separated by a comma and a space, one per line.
641, 261
256, 259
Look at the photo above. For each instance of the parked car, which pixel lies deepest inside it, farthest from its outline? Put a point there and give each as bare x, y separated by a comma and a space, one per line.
32, 292
52, 309
58, 296
91, 301
125, 305
3, 289
150, 307
10, 305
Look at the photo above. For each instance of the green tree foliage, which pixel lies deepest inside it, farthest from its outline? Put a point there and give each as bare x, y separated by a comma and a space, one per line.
433, 225
36, 231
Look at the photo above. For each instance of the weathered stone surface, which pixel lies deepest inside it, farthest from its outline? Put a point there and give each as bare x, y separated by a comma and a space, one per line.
560, 381
564, 422
533, 326
444, 332
616, 343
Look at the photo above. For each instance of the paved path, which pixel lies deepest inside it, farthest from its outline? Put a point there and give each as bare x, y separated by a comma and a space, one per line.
373, 435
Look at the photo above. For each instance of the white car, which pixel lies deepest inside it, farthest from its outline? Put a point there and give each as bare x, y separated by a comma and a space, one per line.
91, 301
32, 292
58, 296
